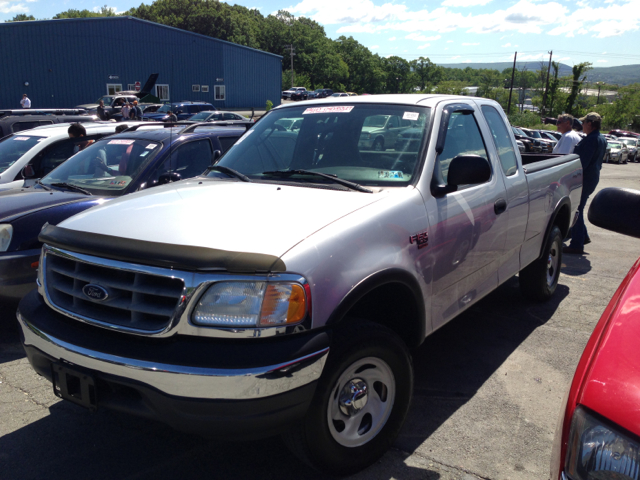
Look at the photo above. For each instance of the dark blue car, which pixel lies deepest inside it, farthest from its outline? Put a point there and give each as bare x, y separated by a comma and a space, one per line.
111, 167
183, 110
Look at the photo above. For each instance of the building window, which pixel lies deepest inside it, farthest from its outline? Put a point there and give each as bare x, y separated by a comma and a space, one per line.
131, 87
162, 92
220, 93
113, 88
195, 88
204, 88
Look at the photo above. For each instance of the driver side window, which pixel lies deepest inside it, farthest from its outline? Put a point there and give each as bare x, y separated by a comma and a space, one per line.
463, 138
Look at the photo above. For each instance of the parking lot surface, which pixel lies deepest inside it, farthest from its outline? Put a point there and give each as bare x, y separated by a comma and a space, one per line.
488, 391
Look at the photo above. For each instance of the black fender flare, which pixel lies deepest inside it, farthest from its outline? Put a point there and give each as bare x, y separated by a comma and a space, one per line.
552, 221
378, 279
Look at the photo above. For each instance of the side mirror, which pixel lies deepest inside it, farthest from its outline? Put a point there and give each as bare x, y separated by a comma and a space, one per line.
168, 178
618, 210
216, 155
468, 170
28, 171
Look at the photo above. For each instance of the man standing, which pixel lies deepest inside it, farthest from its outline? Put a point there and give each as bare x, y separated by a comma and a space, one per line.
591, 150
136, 111
569, 138
102, 114
25, 102
125, 111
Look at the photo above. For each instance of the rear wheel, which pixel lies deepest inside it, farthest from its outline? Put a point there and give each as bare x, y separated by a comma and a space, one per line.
360, 403
539, 280
378, 145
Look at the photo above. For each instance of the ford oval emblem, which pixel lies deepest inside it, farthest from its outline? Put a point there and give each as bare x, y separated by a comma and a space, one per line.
95, 292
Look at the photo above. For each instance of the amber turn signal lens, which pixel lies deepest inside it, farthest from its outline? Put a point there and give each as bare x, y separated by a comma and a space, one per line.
284, 304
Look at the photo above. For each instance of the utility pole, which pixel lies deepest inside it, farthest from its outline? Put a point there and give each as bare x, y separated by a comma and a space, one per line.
599, 87
546, 89
513, 72
292, 53
524, 88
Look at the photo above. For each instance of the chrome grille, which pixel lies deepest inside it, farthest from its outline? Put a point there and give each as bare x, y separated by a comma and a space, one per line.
136, 300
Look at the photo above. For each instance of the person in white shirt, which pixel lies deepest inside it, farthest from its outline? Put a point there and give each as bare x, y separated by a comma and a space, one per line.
25, 102
569, 138
125, 111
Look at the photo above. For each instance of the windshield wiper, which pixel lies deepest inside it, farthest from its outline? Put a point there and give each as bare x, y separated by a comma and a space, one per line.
333, 178
69, 186
229, 171
38, 182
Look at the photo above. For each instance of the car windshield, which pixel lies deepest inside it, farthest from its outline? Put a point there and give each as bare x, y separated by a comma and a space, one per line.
517, 131
614, 144
164, 109
15, 146
202, 116
107, 101
629, 141
331, 139
107, 167
534, 134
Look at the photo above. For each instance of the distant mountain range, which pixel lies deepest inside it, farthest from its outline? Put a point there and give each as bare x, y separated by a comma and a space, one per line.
623, 75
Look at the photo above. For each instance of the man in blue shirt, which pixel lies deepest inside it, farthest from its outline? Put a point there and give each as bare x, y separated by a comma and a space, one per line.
591, 150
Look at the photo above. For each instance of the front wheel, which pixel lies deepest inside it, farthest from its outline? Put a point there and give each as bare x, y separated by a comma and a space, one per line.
360, 403
539, 280
378, 145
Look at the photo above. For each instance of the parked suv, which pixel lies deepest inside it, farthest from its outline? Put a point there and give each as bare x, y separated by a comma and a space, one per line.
292, 90
182, 110
43, 149
110, 168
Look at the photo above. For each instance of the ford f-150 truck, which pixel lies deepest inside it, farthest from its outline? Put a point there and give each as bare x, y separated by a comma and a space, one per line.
282, 291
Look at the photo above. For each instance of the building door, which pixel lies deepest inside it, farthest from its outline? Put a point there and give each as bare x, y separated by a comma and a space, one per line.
113, 88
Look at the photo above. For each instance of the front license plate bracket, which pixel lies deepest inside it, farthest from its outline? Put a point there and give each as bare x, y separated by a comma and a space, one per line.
74, 385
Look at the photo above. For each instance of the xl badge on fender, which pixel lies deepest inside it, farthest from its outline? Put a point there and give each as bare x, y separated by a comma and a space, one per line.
421, 239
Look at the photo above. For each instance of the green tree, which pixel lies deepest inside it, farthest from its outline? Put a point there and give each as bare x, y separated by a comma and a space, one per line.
578, 71
427, 73
21, 17
73, 13
399, 77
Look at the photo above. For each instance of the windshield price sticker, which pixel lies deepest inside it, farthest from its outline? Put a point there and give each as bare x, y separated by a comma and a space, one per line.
120, 142
328, 110
150, 146
21, 139
410, 116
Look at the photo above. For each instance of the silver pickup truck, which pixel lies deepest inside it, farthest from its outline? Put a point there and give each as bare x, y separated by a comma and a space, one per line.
282, 290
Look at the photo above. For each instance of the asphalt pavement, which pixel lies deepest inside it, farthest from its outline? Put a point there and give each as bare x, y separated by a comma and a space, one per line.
488, 392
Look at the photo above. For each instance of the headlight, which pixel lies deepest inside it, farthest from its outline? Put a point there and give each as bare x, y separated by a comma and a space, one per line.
6, 232
598, 451
251, 304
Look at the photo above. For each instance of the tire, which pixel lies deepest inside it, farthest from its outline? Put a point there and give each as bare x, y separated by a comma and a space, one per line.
341, 438
378, 145
538, 281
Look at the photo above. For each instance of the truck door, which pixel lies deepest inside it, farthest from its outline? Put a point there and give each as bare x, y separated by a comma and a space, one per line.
517, 198
465, 236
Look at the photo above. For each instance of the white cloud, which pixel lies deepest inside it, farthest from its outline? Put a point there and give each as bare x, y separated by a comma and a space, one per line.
426, 45
8, 7
96, 9
603, 61
506, 45
421, 38
470, 44
392, 39
464, 3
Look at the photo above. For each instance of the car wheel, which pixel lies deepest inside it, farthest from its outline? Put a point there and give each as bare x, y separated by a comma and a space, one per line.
361, 401
538, 281
378, 145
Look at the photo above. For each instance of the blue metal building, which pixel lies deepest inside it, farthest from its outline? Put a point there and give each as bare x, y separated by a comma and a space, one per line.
68, 62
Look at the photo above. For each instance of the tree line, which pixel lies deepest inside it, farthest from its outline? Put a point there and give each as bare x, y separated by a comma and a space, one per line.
344, 64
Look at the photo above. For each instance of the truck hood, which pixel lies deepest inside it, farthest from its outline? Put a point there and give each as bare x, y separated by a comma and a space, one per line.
15, 202
223, 215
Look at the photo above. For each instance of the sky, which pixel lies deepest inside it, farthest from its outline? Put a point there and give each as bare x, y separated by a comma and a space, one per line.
604, 32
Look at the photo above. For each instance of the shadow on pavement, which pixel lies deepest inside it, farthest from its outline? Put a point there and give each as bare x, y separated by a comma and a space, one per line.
10, 347
575, 265
449, 369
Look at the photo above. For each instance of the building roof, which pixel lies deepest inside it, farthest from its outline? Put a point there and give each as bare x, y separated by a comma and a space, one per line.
125, 18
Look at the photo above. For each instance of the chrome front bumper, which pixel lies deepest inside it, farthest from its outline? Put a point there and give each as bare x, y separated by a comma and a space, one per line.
184, 381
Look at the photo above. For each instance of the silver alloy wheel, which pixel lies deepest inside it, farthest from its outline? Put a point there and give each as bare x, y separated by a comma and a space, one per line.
361, 402
552, 263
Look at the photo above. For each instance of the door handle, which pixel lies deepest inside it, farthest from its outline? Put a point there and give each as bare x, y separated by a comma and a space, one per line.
500, 206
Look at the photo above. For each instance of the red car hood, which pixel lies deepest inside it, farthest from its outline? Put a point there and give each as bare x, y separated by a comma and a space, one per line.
612, 385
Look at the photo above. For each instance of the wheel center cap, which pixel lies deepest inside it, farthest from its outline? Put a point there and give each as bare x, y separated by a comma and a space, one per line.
353, 397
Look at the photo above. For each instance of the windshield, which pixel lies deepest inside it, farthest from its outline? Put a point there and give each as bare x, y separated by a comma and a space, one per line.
164, 109
533, 134
107, 167
517, 131
629, 141
332, 139
107, 100
202, 116
14, 147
